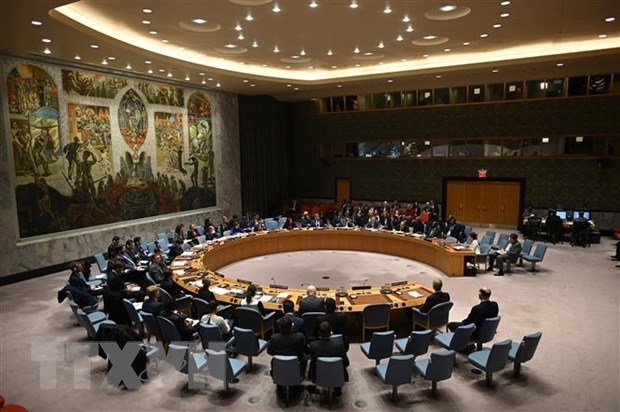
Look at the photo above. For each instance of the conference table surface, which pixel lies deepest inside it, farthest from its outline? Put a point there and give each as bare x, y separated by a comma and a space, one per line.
204, 260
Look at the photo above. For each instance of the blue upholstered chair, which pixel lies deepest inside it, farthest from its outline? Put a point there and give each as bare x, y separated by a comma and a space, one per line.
248, 344
169, 331
491, 360
457, 340
416, 344
136, 320
210, 336
152, 327
379, 347
376, 316
396, 372
436, 317
502, 242
224, 368
249, 318
487, 331
526, 248
437, 368
537, 256
102, 263
285, 372
329, 374
187, 362
521, 352
309, 325
484, 255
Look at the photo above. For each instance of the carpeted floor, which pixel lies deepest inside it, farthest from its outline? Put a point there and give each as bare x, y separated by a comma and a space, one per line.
573, 300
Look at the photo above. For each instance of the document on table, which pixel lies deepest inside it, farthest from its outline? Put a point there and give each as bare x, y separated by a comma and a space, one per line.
283, 295
415, 294
265, 298
218, 290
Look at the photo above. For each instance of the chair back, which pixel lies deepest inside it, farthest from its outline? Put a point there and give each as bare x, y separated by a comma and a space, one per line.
151, 324
150, 247
338, 338
169, 331
485, 248
488, 329
165, 296
418, 342
467, 230
440, 367
451, 239
486, 240
102, 264
201, 307
133, 314
200, 230
202, 239
246, 342
502, 241
553, 225
491, 234
309, 324
285, 370
329, 372
526, 247
399, 370
439, 314
185, 246
462, 337
209, 334
178, 357
498, 356
540, 250
271, 224
223, 371
381, 345
249, 318
376, 315
528, 348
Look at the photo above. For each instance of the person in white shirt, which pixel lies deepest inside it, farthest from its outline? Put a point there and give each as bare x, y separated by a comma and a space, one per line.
212, 318
474, 245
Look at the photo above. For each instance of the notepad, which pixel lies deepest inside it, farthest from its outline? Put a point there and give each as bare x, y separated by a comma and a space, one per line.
218, 290
137, 305
415, 294
283, 295
197, 283
265, 298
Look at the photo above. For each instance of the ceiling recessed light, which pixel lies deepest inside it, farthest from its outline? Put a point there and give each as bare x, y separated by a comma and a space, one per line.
426, 56
245, 80
289, 85
111, 58
429, 37
77, 57
146, 22
448, 8
46, 40
148, 62
483, 35
310, 67
494, 71
199, 21
334, 66
602, 36
210, 79
406, 19
380, 45
203, 81
367, 54
153, 32
147, 11
390, 81
128, 67
505, 3
610, 19
381, 62
287, 67
187, 78
302, 52
276, 8
238, 27
399, 37
36, 23
356, 50
218, 84
94, 46
295, 88
313, 4
330, 52
466, 43
497, 26
559, 64
387, 9
230, 46
249, 17
295, 56
338, 85
276, 49
252, 85
504, 15
357, 65
165, 41
169, 74
201, 74
150, 71
438, 76
104, 62
161, 70
447, 49
409, 29
47, 51
240, 36
353, 4
255, 44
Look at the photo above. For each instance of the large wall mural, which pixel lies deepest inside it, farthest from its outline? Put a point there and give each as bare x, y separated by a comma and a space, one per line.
68, 179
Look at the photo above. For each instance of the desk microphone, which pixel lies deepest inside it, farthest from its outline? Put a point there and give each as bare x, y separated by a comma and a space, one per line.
273, 281
304, 284
365, 280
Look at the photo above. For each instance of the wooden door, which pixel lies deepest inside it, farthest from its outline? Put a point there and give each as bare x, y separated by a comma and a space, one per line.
509, 203
343, 190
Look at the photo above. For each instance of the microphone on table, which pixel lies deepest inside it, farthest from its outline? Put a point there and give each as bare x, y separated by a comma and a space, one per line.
273, 281
365, 280
304, 284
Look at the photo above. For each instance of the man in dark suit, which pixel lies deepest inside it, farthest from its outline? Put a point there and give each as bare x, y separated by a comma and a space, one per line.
289, 343
186, 330
436, 298
326, 347
288, 307
485, 309
508, 255
455, 229
153, 304
338, 321
311, 303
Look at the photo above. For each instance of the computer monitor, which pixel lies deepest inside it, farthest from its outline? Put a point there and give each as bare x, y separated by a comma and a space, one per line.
561, 214
586, 214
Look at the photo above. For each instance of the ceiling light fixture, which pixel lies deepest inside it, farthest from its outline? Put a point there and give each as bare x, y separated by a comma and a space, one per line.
399, 37
504, 15
466, 43
47, 51
77, 57
497, 26
302, 52
153, 32
483, 35
169, 74
230, 46
111, 58
255, 44
353, 4
409, 29
199, 21
448, 8
330, 52
356, 50
187, 78
505, 3
610, 19
494, 71
439, 76
313, 4
94, 46
104, 62
238, 27
276, 8
150, 71
240, 36
128, 67
387, 9
36, 23
147, 62
46, 40
447, 49
147, 11
602, 36
426, 56
276, 49
559, 64
147, 22
165, 41
249, 17
406, 19
203, 81
218, 84
429, 37
381, 45
390, 81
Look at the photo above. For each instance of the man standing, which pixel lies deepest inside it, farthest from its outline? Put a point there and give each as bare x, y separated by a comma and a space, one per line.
311, 303
508, 255
289, 343
485, 309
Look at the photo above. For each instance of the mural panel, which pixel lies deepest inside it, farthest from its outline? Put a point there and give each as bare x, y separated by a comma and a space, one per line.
68, 180
91, 84
161, 94
201, 154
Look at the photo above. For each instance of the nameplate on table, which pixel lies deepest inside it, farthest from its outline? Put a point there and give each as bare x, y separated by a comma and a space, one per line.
247, 282
274, 286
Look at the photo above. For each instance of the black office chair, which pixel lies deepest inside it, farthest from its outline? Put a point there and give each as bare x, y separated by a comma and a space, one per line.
533, 227
580, 233
554, 228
